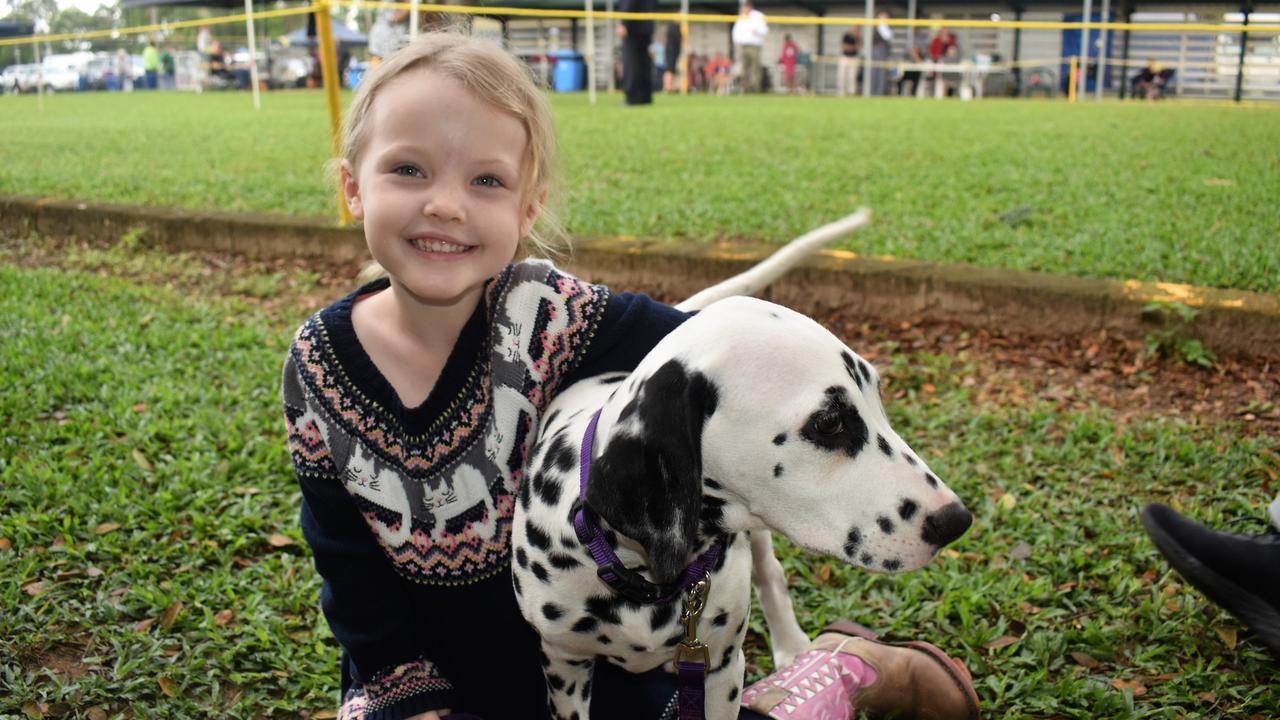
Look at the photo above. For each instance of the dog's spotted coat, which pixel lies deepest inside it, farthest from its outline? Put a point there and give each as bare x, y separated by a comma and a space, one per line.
747, 417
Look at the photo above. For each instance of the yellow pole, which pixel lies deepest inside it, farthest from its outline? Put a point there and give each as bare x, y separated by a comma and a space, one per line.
329, 72
1071, 79
684, 55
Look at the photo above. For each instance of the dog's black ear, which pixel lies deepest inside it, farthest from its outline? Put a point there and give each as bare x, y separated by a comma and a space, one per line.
647, 483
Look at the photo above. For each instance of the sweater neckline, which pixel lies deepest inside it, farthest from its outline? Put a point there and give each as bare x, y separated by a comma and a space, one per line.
461, 370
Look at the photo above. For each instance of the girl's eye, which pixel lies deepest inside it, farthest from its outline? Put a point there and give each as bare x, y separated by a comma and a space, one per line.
488, 181
407, 171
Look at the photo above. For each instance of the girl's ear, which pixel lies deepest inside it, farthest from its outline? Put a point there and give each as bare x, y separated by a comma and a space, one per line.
351, 191
531, 211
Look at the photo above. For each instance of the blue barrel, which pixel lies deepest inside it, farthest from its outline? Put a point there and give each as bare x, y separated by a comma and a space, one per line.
570, 72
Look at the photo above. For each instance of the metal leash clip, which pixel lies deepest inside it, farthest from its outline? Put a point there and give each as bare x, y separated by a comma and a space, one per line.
690, 648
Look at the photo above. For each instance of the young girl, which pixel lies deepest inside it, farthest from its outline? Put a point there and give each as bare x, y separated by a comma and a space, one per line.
411, 403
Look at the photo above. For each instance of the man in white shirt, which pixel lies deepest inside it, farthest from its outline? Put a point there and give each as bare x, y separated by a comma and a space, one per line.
881, 43
749, 31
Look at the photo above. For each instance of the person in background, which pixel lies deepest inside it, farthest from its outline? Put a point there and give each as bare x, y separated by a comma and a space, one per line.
1238, 572
387, 34
939, 48
671, 58
790, 55
168, 69
124, 70
915, 54
749, 32
847, 65
151, 65
881, 42
637, 64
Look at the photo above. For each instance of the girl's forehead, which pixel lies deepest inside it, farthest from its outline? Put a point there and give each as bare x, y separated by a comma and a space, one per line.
427, 104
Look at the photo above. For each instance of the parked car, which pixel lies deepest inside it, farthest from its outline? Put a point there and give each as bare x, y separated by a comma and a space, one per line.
62, 72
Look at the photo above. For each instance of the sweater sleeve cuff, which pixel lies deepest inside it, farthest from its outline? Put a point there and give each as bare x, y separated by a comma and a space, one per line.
401, 692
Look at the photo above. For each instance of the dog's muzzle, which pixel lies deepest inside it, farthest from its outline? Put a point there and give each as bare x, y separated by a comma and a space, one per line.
945, 525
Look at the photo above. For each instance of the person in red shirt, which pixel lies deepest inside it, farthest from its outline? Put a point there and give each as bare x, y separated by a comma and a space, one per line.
790, 54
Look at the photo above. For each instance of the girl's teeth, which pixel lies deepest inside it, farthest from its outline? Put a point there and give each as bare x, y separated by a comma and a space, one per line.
438, 246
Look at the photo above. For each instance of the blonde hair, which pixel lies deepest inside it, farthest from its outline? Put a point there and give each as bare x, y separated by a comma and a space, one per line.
493, 76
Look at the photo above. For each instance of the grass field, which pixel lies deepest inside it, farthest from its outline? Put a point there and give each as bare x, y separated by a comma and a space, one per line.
151, 565
1175, 192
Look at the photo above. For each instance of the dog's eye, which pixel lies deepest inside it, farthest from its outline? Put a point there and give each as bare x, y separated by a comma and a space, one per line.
828, 423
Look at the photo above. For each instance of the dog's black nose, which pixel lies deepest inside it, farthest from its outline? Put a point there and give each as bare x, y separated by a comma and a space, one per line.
947, 524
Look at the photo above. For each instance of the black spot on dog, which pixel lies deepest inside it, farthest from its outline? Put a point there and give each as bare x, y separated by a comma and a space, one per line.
548, 491
780, 439
837, 425
777, 470
523, 497
711, 483
586, 689
551, 611
569, 542
540, 572
574, 715
613, 380
866, 559
907, 509
727, 657
560, 561
550, 420
674, 640
604, 639
891, 564
721, 619
884, 446
573, 688
561, 455
741, 626
555, 681
515, 580
852, 541
910, 459
629, 409
585, 624
522, 557
661, 615
638, 648
537, 537
850, 366
886, 525
931, 479
712, 515
603, 609
733, 694
865, 370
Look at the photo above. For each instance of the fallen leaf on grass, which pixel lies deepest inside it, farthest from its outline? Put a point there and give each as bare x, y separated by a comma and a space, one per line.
222, 617
106, 527
168, 686
1021, 551
144, 625
34, 710
325, 715
1001, 642
92, 571
1207, 696
5, 543
96, 713
1007, 501
170, 614
824, 573
1228, 636
35, 588
1085, 659
1137, 688
278, 540
141, 460
140, 408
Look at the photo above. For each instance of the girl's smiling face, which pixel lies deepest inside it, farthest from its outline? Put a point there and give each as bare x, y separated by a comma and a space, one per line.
440, 187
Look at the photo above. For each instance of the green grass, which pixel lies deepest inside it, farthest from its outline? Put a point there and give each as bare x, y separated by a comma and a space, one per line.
145, 474
1173, 192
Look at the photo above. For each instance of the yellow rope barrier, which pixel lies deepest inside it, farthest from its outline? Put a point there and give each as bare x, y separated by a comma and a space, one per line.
671, 17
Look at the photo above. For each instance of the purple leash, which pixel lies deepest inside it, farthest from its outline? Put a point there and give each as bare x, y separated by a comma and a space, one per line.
692, 656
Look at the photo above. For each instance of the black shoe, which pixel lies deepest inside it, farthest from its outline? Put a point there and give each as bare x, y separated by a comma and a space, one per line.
1241, 573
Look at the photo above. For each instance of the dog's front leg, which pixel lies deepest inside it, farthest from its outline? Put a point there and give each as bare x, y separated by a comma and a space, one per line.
568, 683
723, 685
785, 633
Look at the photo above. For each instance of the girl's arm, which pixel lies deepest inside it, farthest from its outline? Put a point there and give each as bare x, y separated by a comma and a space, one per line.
363, 600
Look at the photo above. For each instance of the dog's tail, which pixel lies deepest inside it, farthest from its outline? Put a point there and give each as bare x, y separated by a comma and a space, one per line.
776, 265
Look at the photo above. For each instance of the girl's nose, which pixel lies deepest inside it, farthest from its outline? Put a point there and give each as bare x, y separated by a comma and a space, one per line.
444, 203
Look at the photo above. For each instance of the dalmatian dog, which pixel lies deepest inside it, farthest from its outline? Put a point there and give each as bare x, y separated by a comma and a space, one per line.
748, 418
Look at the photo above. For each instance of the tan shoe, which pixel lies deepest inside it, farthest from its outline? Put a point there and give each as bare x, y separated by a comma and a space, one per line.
913, 679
